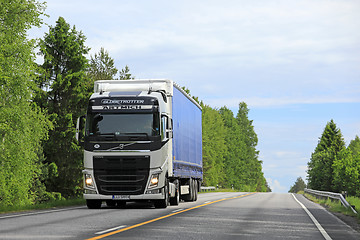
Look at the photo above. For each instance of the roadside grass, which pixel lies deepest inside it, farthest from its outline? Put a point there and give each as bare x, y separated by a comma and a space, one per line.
355, 201
336, 206
46, 205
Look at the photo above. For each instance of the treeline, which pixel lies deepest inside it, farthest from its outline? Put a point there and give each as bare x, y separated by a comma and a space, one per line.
39, 105
230, 157
333, 166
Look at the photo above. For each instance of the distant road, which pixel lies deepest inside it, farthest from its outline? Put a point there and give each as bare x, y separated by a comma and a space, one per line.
213, 216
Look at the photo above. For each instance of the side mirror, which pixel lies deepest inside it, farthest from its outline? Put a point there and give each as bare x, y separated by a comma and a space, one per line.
80, 130
166, 127
169, 131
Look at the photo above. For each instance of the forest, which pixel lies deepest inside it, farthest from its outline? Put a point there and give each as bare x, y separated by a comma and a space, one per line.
334, 167
40, 159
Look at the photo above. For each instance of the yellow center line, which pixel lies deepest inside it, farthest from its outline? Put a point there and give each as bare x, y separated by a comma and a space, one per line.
166, 216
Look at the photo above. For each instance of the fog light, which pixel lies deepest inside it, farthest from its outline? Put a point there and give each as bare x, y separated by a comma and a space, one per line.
88, 191
155, 191
154, 180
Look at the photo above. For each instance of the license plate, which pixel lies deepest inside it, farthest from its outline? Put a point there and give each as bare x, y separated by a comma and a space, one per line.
121, 197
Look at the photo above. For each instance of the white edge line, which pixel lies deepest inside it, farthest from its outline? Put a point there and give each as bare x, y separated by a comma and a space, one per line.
178, 210
36, 213
317, 224
111, 229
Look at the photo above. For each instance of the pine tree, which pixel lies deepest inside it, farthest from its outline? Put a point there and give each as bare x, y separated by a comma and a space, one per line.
242, 167
320, 166
234, 167
354, 145
101, 66
64, 70
125, 74
299, 185
253, 175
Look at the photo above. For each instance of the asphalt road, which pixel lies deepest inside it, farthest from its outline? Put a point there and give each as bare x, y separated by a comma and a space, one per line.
213, 216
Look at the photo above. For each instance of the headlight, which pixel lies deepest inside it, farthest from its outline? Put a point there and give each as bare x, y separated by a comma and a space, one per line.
154, 180
89, 181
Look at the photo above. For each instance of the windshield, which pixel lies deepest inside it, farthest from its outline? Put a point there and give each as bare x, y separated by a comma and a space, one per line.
122, 124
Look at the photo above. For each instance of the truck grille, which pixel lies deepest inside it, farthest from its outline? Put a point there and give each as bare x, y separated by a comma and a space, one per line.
115, 175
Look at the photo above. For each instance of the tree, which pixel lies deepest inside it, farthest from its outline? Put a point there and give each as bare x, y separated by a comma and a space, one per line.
250, 155
64, 67
124, 74
214, 147
241, 164
299, 185
22, 124
354, 146
101, 66
320, 166
346, 168
234, 167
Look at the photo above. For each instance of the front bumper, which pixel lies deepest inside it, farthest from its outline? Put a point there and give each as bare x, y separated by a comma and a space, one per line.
157, 196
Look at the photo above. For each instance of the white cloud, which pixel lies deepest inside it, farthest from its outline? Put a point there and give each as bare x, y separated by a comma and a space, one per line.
276, 186
264, 102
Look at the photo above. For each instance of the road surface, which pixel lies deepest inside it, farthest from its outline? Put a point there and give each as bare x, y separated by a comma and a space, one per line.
213, 216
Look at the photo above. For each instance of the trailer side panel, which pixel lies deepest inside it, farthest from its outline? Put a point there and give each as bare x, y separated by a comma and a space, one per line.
187, 140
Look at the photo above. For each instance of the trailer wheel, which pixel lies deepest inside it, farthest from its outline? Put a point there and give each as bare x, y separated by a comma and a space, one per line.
93, 204
190, 197
195, 190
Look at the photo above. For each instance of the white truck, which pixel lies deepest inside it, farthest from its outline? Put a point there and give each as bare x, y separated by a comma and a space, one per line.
142, 142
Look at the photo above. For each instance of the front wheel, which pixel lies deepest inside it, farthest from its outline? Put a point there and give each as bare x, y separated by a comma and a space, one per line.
163, 203
174, 201
93, 204
110, 203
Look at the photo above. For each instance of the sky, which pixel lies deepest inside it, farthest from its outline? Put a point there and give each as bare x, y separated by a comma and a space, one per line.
296, 64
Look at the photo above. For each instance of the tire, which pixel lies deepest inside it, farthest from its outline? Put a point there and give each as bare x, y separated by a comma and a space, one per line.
190, 197
121, 204
163, 203
174, 201
110, 203
93, 204
195, 191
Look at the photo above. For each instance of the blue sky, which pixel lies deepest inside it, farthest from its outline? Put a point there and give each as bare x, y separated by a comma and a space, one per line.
295, 63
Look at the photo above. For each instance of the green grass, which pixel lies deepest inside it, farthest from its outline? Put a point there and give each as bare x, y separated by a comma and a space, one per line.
47, 205
355, 201
336, 206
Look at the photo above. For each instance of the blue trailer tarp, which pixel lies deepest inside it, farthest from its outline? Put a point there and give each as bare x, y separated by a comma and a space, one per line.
187, 137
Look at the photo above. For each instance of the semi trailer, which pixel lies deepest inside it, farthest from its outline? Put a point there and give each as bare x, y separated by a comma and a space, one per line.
142, 142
